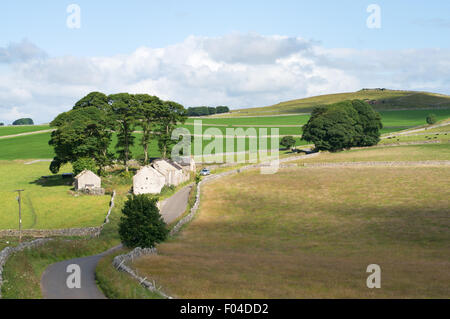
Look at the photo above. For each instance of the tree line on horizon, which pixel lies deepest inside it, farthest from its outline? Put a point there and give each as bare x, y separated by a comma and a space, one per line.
83, 135
24, 121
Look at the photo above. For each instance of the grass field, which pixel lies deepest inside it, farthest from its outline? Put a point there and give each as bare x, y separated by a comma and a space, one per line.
427, 152
311, 233
25, 147
443, 137
11, 130
36, 146
392, 121
445, 128
388, 99
46, 204
411, 117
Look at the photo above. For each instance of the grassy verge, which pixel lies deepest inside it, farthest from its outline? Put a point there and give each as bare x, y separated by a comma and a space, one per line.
12, 241
119, 285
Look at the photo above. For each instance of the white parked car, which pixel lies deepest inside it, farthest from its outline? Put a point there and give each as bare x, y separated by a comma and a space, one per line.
205, 172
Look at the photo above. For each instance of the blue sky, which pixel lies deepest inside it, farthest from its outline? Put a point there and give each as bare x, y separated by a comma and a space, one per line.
237, 53
110, 27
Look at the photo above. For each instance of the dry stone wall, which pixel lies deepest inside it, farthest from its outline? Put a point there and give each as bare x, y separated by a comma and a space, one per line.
5, 253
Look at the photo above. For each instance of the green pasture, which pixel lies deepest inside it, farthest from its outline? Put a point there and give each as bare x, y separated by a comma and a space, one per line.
47, 203
411, 118
36, 146
11, 130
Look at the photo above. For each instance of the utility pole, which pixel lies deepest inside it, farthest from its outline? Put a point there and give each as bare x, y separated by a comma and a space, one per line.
19, 199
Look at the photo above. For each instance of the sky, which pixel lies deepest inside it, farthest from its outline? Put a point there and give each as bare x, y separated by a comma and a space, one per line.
239, 53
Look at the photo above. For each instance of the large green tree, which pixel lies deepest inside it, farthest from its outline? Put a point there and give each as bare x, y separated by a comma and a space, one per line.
122, 110
343, 125
147, 116
168, 115
81, 133
370, 121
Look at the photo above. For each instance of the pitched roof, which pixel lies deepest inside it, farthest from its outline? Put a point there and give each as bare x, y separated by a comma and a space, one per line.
167, 163
85, 172
184, 160
148, 168
177, 166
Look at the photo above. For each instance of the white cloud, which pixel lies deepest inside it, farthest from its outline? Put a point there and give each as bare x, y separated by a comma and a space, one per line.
239, 70
10, 115
253, 48
23, 51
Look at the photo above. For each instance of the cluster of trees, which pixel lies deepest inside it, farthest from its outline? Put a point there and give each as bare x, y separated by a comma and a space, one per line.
83, 135
343, 125
207, 110
25, 121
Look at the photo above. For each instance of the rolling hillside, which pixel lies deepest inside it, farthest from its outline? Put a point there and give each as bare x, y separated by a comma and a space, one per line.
381, 99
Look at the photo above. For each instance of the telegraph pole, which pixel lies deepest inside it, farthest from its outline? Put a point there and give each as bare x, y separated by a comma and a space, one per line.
19, 199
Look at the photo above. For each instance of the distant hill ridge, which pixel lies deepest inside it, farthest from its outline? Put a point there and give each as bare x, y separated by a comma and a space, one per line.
380, 98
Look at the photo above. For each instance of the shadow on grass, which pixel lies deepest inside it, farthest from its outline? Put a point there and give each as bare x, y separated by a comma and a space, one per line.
53, 180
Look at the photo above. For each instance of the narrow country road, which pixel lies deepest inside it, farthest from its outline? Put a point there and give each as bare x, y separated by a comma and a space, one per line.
54, 278
53, 281
175, 206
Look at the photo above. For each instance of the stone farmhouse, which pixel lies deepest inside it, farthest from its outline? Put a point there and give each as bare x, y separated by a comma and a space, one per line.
148, 181
151, 179
172, 171
89, 183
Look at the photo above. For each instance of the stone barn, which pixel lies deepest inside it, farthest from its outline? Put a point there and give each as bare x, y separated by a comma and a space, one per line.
148, 181
187, 163
89, 182
171, 171
188, 166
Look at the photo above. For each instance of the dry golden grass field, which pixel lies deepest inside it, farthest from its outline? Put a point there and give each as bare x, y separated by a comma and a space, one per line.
311, 233
408, 153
